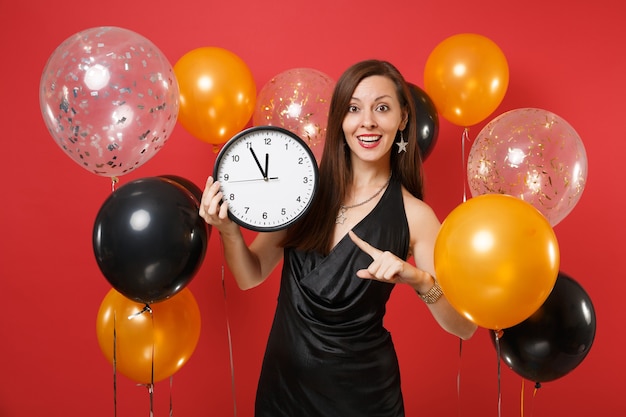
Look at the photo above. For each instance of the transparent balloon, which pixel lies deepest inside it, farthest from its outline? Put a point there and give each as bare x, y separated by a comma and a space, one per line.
297, 100
534, 155
109, 98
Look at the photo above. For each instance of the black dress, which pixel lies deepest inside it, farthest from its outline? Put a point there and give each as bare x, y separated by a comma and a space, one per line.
328, 354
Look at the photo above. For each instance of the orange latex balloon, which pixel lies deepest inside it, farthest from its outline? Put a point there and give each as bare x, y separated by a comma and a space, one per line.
217, 94
497, 260
466, 76
172, 331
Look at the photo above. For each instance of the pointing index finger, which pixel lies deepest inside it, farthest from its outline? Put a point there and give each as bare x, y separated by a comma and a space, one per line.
364, 246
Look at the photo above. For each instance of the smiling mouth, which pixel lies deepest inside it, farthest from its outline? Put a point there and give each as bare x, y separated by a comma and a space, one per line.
369, 139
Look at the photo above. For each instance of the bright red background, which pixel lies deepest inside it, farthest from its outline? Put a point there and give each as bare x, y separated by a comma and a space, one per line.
565, 57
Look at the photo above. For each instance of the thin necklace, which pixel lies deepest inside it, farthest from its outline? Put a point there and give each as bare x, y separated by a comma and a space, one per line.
341, 217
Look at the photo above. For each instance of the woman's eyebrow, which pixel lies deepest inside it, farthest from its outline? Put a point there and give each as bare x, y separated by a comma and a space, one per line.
376, 99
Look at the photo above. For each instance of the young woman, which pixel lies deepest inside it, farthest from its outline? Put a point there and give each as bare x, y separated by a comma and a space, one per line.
328, 353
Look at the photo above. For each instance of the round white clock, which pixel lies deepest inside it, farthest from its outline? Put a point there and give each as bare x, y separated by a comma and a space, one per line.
268, 176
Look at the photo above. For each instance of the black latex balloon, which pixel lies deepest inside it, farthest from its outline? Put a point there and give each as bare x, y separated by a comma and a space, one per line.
187, 184
555, 339
192, 188
149, 240
427, 120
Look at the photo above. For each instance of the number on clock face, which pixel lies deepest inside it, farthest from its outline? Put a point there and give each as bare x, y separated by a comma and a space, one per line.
268, 177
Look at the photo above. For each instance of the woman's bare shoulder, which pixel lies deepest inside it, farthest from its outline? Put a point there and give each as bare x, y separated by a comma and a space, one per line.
423, 222
417, 208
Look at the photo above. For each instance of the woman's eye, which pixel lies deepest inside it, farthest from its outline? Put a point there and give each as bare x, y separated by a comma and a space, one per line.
353, 109
382, 107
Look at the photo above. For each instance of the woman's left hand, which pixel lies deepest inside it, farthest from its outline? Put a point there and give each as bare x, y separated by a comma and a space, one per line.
385, 265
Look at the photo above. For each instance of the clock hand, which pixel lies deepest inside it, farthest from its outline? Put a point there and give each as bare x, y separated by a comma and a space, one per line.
267, 161
253, 179
258, 163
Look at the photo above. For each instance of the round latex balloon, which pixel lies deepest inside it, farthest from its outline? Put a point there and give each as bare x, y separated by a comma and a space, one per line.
497, 259
534, 155
555, 339
466, 76
217, 93
188, 185
136, 339
297, 100
149, 240
427, 120
109, 99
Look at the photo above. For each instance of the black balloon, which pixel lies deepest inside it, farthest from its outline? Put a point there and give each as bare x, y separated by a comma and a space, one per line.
187, 184
427, 120
555, 339
192, 188
149, 240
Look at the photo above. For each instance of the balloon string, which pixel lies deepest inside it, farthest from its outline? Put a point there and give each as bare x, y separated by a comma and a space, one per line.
114, 181
230, 349
522, 400
150, 386
498, 334
532, 408
114, 365
458, 378
171, 399
230, 341
146, 309
464, 137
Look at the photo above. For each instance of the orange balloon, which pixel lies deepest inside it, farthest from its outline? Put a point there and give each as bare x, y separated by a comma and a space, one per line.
466, 76
172, 331
497, 260
217, 94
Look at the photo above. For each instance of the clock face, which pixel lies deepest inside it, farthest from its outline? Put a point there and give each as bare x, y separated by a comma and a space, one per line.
268, 176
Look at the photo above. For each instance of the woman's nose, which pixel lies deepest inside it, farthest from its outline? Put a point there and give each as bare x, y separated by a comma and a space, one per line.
369, 119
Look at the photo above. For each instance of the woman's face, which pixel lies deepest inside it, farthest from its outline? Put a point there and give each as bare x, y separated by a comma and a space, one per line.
373, 119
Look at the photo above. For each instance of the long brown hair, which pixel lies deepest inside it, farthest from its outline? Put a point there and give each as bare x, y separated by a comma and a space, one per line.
314, 231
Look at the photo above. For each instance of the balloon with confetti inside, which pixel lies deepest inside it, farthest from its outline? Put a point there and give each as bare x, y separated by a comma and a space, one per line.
109, 98
532, 154
298, 100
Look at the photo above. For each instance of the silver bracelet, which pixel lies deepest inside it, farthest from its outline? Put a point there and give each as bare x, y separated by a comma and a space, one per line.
432, 295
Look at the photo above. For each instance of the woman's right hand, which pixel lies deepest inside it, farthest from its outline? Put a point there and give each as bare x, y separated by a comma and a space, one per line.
213, 210
249, 265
